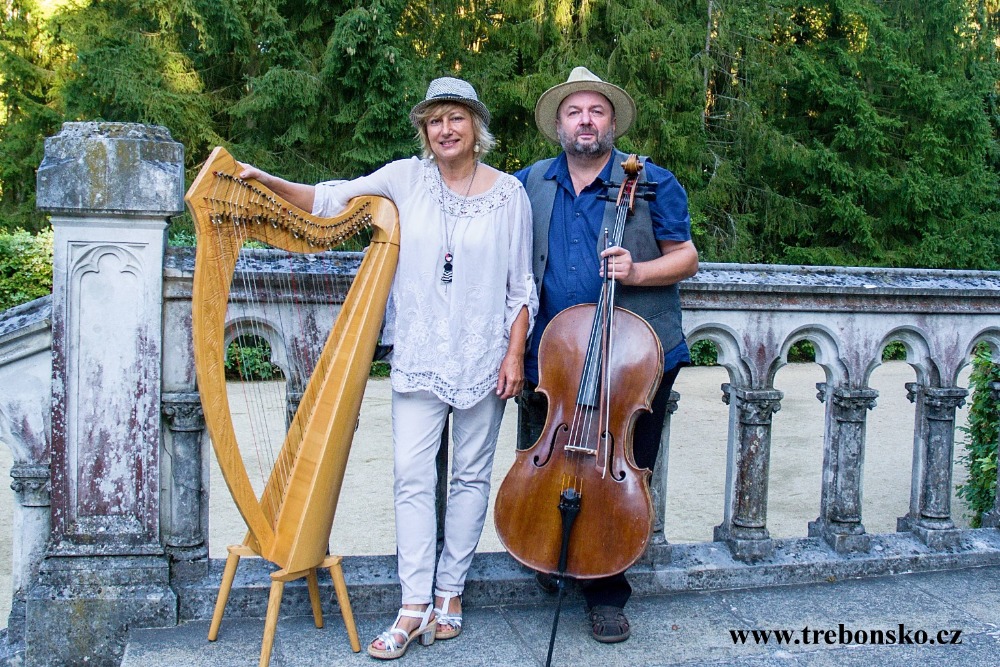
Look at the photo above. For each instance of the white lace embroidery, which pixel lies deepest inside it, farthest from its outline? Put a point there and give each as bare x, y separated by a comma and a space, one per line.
458, 206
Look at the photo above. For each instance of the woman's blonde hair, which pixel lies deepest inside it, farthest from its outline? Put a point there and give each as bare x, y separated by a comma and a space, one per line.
480, 131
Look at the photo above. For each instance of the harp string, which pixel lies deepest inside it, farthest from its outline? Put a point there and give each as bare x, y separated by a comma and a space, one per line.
241, 208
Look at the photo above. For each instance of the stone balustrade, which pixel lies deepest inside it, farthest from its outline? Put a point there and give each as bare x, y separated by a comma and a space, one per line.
111, 456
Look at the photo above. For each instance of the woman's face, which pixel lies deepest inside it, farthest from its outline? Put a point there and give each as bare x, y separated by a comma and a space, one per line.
451, 133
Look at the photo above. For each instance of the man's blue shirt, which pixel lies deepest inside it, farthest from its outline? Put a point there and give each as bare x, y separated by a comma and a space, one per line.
572, 270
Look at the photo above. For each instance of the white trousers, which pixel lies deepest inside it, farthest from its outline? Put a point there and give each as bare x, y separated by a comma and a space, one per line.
417, 420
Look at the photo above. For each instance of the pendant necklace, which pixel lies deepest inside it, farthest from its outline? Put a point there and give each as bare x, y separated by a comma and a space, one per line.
449, 230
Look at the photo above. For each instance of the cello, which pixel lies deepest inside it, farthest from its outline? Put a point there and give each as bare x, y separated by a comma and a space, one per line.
574, 504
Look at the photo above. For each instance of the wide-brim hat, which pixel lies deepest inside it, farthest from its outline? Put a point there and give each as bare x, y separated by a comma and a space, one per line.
579, 79
449, 89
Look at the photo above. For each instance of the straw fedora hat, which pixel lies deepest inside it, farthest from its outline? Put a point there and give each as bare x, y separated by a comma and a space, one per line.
450, 89
579, 79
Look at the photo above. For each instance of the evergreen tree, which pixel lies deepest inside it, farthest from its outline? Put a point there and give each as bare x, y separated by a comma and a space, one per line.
857, 138
27, 112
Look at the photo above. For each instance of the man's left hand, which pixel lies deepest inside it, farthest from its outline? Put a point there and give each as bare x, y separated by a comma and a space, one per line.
620, 265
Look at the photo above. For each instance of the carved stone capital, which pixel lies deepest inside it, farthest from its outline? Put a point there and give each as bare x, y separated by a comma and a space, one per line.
757, 406
32, 484
852, 405
942, 402
183, 411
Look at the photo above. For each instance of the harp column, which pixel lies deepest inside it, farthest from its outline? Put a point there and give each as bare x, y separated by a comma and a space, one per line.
110, 189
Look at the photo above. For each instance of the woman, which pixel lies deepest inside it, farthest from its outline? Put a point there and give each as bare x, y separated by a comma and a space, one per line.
462, 306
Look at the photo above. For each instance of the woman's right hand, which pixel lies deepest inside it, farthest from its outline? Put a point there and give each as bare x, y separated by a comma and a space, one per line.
248, 171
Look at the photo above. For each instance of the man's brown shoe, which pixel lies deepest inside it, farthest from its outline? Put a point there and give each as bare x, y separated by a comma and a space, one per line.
608, 624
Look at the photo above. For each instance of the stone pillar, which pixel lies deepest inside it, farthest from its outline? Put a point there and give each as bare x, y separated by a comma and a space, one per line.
31, 526
934, 444
744, 527
992, 518
658, 486
839, 523
185, 529
110, 189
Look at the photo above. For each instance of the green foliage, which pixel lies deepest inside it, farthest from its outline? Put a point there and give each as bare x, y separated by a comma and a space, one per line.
26, 114
839, 137
248, 358
982, 437
894, 351
802, 352
704, 353
25, 267
853, 132
380, 369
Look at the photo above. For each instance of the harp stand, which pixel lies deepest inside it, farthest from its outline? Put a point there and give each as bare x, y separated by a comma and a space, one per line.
278, 580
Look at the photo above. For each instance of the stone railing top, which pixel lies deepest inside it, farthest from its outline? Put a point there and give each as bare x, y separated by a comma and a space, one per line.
26, 317
101, 168
179, 262
742, 279
772, 277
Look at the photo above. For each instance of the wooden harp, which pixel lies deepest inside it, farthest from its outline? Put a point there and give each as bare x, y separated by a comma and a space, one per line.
290, 523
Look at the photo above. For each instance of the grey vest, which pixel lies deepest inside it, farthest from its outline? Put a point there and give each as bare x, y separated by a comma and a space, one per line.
660, 306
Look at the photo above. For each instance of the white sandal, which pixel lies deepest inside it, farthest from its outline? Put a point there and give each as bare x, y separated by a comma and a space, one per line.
394, 648
454, 621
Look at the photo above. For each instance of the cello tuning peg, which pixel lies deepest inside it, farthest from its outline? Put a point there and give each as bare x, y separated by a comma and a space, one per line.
605, 198
648, 196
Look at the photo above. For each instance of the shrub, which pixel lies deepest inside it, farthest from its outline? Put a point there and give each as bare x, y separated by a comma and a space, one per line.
980, 459
894, 351
704, 353
25, 267
248, 358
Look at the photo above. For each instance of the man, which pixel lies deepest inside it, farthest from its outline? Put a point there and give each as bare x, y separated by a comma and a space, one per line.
585, 115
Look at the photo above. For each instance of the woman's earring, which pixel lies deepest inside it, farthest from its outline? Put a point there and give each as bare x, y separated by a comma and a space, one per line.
475, 149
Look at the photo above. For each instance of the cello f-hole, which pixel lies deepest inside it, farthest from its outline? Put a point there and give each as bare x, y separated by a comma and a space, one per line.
609, 445
538, 461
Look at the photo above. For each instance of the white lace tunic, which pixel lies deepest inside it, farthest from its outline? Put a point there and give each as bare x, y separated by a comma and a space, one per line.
449, 338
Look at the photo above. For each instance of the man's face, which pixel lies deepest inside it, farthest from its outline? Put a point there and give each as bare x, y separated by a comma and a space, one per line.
585, 124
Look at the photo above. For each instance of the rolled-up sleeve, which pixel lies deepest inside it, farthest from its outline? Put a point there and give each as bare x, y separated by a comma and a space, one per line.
521, 290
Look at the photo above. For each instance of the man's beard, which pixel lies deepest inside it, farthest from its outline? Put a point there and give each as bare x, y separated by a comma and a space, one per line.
603, 145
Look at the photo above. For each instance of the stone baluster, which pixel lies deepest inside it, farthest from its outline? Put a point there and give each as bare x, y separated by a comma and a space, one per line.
185, 531
839, 523
658, 486
992, 518
110, 189
30, 527
292, 400
744, 527
933, 448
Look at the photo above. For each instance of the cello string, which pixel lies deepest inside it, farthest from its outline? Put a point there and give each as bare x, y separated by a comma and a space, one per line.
583, 422
605, 429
